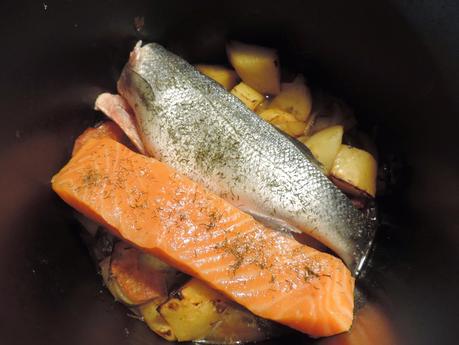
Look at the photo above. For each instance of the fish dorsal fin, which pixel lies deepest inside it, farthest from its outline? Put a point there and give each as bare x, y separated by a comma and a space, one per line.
271, 222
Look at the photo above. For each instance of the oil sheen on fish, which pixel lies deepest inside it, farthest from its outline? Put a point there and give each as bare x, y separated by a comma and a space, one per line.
193, 124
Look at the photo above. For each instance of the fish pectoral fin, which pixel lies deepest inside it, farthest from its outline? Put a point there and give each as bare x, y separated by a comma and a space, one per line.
271, 222
118, 110
284, 227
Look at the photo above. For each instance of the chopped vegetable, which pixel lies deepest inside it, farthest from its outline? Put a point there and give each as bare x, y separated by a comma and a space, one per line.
263, 105
276, 116
249, 96
129, 280
170, 275
294, 129
325, 144
199, 312
195, 311
356, 167
284, 121
309, 124
237, 325
155, 321
210, 315
257, 66
112, 284
302, 139
222, 75
294, 98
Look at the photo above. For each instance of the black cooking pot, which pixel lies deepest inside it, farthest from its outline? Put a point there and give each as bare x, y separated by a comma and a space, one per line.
395, 62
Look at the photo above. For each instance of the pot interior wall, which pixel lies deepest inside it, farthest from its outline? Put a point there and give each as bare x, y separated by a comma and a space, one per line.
394, 62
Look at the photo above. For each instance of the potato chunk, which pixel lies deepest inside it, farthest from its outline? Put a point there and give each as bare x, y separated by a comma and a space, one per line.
155, 321
224, 76
263, 105
294, 98
325, 144
294, 129
249, 96
239, 325
257, 66
302, 139
200, 313
284, 121
194, 313
276, 116
356, 167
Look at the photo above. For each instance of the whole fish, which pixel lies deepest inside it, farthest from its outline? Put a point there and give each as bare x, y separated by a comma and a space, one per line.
193, 124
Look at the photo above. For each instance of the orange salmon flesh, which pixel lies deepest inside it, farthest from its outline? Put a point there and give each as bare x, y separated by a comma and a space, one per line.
107, 129
151, 206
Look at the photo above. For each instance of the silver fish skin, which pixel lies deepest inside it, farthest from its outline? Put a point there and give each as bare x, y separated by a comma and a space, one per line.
194, 125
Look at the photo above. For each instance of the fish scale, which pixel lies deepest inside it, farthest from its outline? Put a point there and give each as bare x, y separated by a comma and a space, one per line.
193, 124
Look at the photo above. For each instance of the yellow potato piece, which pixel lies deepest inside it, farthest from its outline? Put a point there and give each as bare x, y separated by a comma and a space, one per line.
155, 321
257, 66
356, 167
249, 96
222, 75
194, 314
283, 118
276, 116
302, 139
294, 98
269, 114
112, 284
294, 129
263, 105
201, 313
325, 145
310, 124
237, 325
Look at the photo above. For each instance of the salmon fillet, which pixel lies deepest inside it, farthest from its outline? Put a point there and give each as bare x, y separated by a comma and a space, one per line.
107, 129
148, 204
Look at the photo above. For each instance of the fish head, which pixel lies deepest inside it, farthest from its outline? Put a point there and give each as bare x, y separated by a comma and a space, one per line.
133, 85
139, 84
150, 70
